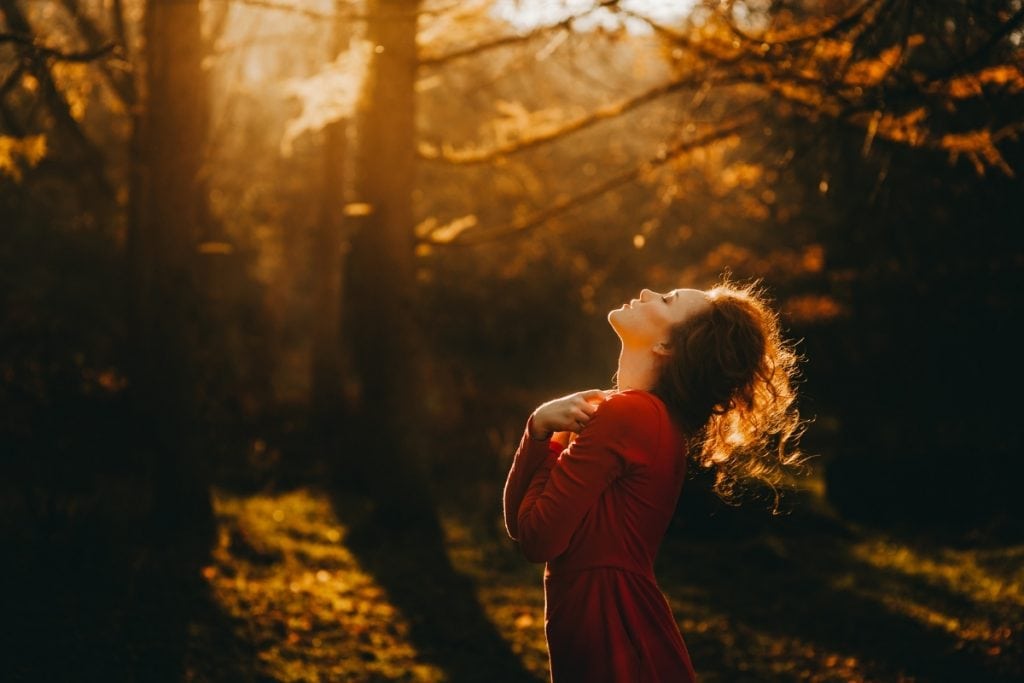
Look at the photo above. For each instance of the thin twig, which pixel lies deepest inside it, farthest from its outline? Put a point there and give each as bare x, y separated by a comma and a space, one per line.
53, 53
563, 25
120, 82
339, 16
839, 26
50, 94
292, 9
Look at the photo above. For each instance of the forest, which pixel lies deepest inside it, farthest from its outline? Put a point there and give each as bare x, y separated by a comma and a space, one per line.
281, 282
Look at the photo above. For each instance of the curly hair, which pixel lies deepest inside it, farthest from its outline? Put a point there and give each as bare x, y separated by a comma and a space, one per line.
728, 381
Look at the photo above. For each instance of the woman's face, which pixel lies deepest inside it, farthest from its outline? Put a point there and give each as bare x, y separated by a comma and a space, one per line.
646, 321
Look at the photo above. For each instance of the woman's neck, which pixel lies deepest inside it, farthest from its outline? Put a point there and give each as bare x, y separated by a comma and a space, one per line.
637, 369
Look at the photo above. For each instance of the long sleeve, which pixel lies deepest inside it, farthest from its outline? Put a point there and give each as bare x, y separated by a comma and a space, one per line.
562, 489
597, 513
531, 455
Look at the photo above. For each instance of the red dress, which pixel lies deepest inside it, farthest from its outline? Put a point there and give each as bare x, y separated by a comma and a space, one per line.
596, 513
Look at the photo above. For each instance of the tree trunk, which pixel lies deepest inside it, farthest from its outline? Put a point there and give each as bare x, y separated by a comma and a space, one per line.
381, 296
166, 214
326, 262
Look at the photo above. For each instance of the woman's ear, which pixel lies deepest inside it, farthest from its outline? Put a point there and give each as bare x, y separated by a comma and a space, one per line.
662, 349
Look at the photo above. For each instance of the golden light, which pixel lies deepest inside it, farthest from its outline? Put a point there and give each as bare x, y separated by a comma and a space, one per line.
358, 209
215, 248
307, 586
529, 14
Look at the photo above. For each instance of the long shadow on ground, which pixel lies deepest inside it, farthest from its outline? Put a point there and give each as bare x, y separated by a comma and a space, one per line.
801, 581
448, 626
101, 613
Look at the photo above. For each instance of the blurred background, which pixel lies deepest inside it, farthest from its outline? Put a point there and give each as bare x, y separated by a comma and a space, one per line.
281, 280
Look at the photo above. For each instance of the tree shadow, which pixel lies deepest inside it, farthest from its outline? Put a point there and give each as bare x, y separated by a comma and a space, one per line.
178, 630
83, 605
448, 626
811, 587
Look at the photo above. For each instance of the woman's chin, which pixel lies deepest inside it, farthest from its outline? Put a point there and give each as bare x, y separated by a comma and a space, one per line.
614, 318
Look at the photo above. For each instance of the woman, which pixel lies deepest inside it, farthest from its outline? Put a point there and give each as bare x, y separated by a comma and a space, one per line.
596, 476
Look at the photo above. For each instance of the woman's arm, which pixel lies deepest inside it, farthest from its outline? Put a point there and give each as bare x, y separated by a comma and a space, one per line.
563, 488
532, 455
543, 439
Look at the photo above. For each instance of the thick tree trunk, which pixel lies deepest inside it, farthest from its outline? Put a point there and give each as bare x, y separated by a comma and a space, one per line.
381, 295
326, 262
166, 214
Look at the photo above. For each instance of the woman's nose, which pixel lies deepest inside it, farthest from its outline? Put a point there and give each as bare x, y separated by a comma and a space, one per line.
646, 295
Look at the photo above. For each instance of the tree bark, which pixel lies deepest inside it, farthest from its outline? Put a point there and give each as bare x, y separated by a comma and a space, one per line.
166, 213
381, 294
326, 260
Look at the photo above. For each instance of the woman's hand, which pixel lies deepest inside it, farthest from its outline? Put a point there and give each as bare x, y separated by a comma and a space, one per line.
566, 414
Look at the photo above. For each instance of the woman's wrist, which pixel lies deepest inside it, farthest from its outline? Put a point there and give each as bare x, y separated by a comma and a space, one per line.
536, 430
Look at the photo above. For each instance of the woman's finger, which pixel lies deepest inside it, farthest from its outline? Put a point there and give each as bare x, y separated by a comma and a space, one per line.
580, 417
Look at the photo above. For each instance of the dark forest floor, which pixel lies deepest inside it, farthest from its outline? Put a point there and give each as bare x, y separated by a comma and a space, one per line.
798, 603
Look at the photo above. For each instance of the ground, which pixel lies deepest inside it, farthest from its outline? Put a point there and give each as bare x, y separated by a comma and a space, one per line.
795, 602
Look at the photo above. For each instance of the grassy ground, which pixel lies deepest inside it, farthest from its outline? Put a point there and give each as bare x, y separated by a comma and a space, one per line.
795, 602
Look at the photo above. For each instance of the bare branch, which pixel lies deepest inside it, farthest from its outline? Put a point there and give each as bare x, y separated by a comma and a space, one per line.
474, 237
602, 114
12, 79
973, 59
120, 30
744, 76
436, 60
35, 59
121, 83
564, 25
681, 39
53, 53
839, 26
293, 9
444, 9
336, 16
7, 118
